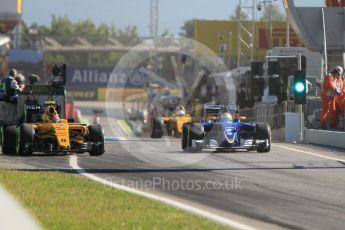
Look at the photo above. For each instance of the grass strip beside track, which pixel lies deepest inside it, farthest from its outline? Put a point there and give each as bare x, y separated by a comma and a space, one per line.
68, 201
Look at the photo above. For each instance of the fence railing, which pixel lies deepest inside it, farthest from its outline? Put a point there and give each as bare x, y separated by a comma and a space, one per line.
273, 114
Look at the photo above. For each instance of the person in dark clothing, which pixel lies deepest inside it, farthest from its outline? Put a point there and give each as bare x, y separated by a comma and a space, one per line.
11, 86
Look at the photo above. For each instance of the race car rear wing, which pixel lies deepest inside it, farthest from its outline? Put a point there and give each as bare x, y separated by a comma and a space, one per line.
213, 111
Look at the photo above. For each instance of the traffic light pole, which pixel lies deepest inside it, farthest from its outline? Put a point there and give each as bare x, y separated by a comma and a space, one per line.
300, 106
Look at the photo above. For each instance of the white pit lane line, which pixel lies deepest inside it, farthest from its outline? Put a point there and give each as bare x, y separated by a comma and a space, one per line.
110, 139
310, 153
73, 161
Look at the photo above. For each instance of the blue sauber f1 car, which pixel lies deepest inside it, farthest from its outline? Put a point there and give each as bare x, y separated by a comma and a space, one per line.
223, 131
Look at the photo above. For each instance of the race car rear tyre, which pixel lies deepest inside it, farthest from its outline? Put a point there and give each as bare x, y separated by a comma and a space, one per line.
190, 132
156, 130
9, 140
25, 140
96, 138
184, 140
263, 132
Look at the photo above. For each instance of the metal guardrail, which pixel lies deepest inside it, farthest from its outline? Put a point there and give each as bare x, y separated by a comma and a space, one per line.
273, 114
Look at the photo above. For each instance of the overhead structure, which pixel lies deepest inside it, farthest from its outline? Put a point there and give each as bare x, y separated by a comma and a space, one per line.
153, 18
246, 29
320, 28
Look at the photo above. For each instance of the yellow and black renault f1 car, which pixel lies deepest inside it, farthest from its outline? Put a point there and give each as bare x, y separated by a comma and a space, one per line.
40, 126
168, 117
54, 135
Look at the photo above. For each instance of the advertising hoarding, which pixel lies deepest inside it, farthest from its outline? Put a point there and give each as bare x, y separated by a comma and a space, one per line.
101, 77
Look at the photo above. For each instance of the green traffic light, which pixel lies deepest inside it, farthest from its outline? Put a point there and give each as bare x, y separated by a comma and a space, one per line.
299, 87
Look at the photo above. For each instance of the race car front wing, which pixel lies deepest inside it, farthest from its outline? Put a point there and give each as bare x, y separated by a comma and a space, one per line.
248, 144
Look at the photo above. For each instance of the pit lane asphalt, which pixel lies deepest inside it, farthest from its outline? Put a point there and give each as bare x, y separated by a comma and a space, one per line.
284, 188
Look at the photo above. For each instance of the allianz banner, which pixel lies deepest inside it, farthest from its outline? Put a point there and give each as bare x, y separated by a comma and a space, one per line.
96, 77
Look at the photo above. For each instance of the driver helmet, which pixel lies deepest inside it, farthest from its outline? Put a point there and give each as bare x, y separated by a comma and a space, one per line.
51, 115
225, 117
181, 113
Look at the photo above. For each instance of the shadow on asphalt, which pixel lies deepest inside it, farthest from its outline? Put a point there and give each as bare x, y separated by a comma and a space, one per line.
152, 170
40, 155
207, 151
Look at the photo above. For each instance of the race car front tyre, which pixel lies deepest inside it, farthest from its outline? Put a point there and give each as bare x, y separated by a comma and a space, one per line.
156, 130
96, 139
9, 140
25, 140
190, 132
263, 132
